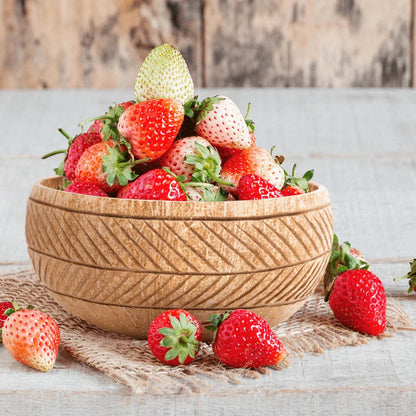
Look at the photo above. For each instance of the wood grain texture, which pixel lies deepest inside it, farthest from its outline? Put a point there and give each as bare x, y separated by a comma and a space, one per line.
303, 43
99, 44
118, 263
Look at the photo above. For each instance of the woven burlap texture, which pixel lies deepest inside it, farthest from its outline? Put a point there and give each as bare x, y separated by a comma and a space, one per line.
313, 329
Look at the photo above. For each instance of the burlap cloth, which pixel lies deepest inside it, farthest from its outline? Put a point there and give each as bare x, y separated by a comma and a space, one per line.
313, 329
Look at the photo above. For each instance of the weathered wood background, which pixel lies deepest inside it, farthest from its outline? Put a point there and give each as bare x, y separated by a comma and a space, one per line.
284, 43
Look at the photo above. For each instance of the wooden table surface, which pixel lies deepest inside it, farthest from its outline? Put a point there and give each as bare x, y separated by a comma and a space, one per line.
362, 145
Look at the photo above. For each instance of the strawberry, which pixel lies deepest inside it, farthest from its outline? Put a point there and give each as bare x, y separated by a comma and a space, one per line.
174, 158
4, 306
357, 297
151, 126
226, 152
76, 147
106, 125
106, 165
294, 185
254, 187
174, 337
254, 160
85, 188
411, 276
32, 338
164, 74
292, 190
221, 123
75, 151
244, 339
156, 184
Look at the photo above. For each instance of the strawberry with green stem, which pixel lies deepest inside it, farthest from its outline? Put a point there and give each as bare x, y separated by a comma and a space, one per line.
206, 163
76, 147
158, 184
107, 165
151, 126
31, 337
356, 296
4, 307
411, 276
174, 337
220, 121
254, 160
244, 339
294, 185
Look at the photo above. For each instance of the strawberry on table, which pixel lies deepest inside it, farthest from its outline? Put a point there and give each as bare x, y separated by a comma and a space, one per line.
357, 296
411, 276
174, 337
164, 74
220, 122
151, 126
106, 165
254, 160
254, 187
32, 338
85, 188
244, 339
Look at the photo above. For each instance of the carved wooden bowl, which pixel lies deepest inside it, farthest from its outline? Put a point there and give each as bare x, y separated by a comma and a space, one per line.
118, 263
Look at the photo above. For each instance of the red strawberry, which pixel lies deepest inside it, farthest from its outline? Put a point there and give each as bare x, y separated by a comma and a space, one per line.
151, 126
292, 190
174, 158
85, 188
32, 338
96, 127
296, 186
75, 151
106, 165
358, 301
254, 187
106, 125
356, 296
220, 122
254, 160
174, 337
155, 184
411, 276
3, 308
245, 339
226, 152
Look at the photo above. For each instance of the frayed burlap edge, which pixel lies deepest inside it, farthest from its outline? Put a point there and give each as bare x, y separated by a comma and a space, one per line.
311, 330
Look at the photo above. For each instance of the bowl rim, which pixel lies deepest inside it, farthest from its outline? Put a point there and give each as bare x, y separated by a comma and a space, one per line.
44, 192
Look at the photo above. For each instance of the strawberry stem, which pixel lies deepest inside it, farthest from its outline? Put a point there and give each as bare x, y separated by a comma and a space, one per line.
55, 152
66, 135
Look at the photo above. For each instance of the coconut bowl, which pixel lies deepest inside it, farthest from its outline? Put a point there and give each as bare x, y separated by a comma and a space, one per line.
118, 263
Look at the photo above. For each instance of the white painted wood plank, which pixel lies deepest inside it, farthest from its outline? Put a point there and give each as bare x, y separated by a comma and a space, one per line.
299, 121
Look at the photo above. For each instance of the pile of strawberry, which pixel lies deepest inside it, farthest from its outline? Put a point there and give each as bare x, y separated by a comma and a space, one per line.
168, 145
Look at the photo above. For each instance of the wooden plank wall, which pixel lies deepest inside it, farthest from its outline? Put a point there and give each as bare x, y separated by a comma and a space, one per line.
283, 43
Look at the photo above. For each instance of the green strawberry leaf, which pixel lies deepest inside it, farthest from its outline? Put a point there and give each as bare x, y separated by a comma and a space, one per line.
302, 183
340, 261
411, 276
60, 170
118, 166
250, 123
206, 106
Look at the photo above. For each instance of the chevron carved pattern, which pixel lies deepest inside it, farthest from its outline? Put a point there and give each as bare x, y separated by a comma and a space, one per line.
148, 264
